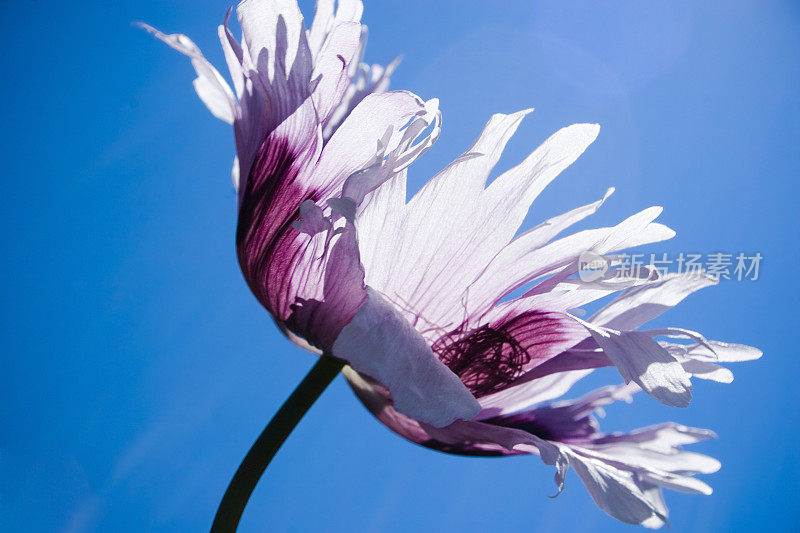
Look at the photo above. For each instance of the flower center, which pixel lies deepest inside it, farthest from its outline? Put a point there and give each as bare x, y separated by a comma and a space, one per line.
486, 359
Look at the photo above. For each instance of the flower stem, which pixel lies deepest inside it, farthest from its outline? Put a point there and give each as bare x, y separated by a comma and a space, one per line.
269, 442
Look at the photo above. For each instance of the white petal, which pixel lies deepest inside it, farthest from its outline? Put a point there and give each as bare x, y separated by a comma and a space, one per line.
706, 370
332, 64
638, 305
235, 171
498, 280
380, 343
234, 55
354, 145
675, 461
434, 224
275, 36
642, 360
613, 490
454, 227
724, 352
647, 465
211, 87
528, 394
321, 25
665, 438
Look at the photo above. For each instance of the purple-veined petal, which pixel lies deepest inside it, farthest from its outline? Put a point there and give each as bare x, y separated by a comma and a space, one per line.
310, 219
465, 437
276, 260
492, 354
493, 283
322, 320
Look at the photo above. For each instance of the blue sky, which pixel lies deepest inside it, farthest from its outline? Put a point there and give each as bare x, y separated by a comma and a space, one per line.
137, 369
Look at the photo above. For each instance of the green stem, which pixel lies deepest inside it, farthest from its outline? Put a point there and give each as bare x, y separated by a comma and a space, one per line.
269, 442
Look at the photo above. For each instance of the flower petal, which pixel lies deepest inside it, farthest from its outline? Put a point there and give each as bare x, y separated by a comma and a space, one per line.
278, 262
326, 20
380, 343
613, 490
640, 304
525, 395
354, 145
332, 66
321, 320
641, 359
723, 352
211, 87
275, 36
666, 438
497, 281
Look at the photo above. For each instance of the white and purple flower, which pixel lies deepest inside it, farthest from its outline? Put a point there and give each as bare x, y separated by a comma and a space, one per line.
416, 295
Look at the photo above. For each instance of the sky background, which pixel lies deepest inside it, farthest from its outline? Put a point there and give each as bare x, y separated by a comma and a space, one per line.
137, 369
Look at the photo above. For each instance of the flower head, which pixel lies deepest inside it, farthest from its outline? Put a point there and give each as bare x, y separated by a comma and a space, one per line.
416, 296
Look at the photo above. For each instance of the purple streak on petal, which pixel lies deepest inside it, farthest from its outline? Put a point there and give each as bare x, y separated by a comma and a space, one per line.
321, 321
462, 437
272, 253
492, 356
566, 421
566, 361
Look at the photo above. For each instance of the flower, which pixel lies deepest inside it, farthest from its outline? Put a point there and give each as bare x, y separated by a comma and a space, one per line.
416, 296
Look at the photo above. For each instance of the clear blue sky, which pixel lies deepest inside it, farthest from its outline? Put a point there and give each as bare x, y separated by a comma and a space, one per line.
137, 368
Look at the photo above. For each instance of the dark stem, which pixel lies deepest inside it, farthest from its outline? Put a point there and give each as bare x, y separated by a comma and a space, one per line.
269, 442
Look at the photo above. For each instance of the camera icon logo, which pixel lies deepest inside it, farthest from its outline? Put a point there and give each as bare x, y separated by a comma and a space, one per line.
591, 266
